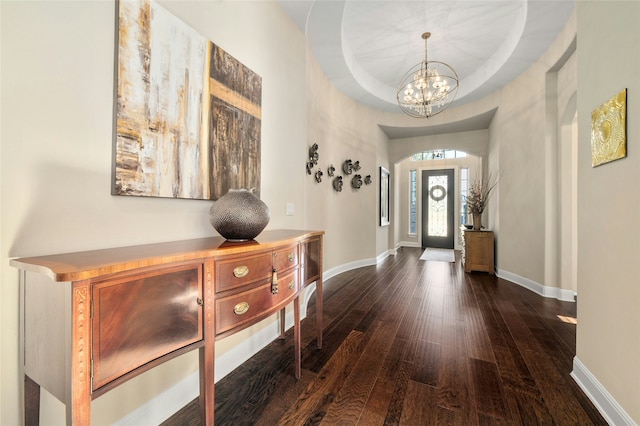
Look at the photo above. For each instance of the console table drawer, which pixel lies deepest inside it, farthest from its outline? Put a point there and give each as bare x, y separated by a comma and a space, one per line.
285, 258
139, 318
235, 310
234, 272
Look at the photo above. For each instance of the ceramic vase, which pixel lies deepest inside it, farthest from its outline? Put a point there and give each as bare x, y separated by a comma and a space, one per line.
239, 215
477, 221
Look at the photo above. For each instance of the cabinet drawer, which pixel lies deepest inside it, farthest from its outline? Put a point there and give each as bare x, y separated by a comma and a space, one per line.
235, 272
286, 258
243, 307
139, 318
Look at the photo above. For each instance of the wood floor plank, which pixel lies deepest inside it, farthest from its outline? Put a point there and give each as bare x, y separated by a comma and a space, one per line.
333, 337
352, 398
454, 381
426, 364
446, 417
487, 390
320, 393
394, 413
287, 389
555, 389
377, 406
434, 296
262, 374
478, 340
430, 329
409, 321
375, 411
420, 405
485, 420
429, 323
528, 409
506, 330
348, 405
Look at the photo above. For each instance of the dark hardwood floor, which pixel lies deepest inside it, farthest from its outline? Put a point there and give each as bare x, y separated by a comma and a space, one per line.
413, 342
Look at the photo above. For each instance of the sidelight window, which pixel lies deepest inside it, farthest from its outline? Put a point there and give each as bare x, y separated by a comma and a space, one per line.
413, 203
464, 191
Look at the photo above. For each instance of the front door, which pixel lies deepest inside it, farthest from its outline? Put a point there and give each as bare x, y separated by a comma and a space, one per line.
437, 208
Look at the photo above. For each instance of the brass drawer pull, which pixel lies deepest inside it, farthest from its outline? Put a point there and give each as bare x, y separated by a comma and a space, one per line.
241, 308
200, 301
240, 271
291, 257
274, 282
292, 284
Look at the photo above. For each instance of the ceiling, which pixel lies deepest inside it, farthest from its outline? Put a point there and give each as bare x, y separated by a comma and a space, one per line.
365, 47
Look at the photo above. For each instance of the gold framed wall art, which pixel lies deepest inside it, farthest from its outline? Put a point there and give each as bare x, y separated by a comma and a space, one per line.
609, 130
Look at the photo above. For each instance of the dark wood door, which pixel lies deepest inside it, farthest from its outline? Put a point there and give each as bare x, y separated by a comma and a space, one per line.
438, 208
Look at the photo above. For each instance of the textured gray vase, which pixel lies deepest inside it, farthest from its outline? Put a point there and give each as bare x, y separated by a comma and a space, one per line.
239, 215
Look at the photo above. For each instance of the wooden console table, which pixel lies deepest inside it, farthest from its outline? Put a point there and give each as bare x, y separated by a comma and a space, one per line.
92, 320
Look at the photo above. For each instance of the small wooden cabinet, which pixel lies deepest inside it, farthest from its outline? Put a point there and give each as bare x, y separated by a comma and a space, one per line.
478, 251
93, 320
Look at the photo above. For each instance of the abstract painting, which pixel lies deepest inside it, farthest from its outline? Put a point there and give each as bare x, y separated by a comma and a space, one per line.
188, 114
608, 130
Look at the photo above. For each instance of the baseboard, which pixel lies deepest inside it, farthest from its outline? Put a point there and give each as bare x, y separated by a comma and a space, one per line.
612, 412
417, 244
542, 290
172, 400
330, 273
384, 255
165, 404
409, 244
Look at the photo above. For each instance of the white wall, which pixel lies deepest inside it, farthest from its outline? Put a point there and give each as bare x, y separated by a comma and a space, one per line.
57, 109
344, 130
608, 341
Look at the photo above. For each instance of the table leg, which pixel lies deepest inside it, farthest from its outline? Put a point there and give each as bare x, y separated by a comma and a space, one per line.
31, 402
283, 317
319, 320
296, 334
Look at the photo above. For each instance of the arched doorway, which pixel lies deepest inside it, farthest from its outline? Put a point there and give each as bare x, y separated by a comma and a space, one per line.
410, 190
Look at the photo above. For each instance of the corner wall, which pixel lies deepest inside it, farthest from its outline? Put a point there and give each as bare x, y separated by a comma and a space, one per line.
608, 339
523, 149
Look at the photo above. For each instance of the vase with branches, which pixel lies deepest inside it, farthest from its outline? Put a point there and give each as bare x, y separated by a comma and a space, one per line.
479, 192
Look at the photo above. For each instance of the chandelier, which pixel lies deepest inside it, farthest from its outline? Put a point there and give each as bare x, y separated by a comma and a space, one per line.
428, 88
